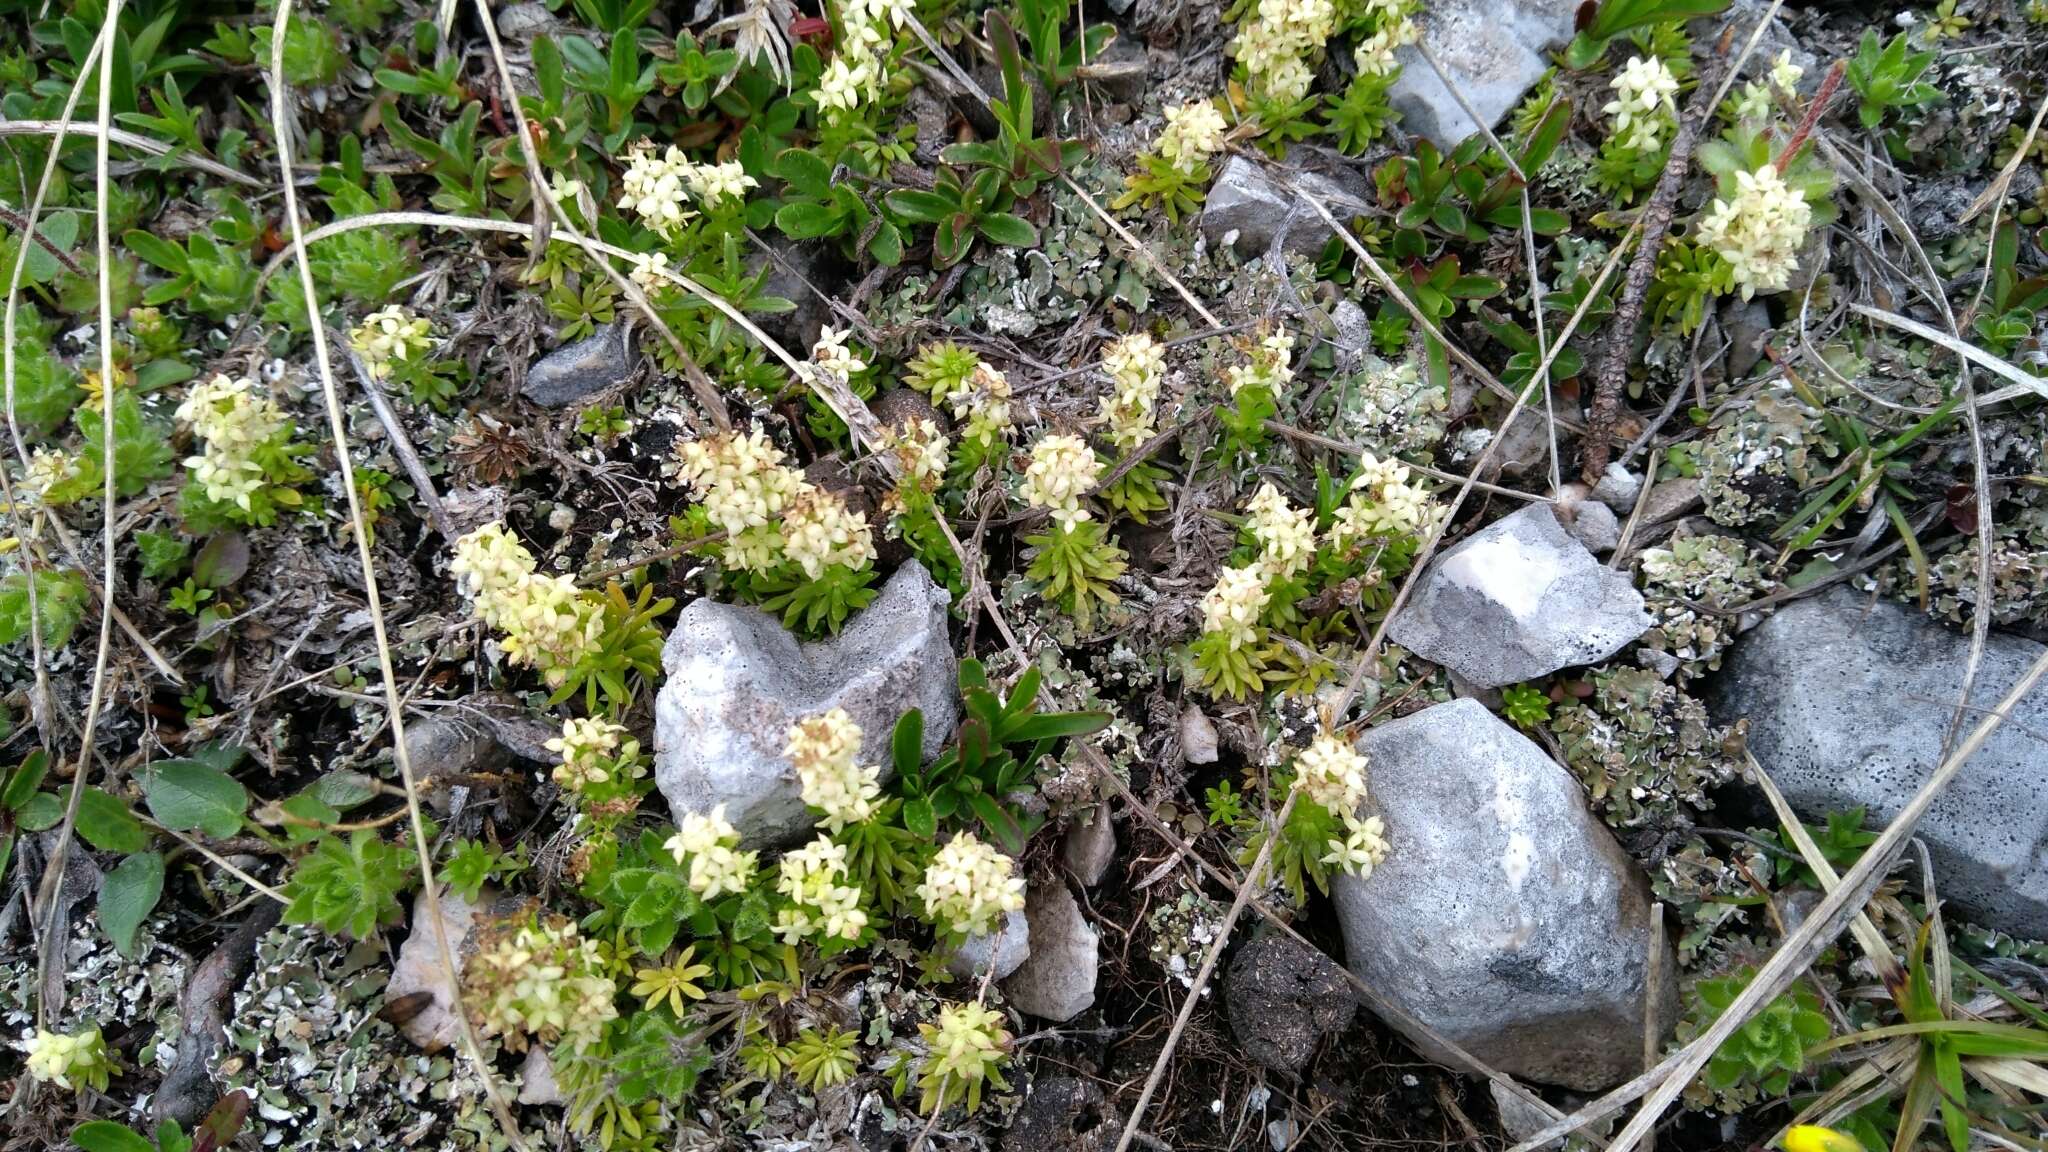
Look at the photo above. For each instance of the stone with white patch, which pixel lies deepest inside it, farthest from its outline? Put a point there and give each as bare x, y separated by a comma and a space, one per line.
737, 680
1506, 917
1519, 600
1057, 981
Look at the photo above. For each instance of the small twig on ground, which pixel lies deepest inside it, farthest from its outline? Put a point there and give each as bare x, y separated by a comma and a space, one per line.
401, 447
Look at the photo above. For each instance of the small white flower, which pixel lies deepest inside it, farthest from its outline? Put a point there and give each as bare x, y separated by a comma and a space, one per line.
1759, 230
1062, 470
1231, 609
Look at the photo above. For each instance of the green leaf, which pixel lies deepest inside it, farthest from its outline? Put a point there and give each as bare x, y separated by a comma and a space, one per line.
906, 743
128, 896
42, 813
158, 251
1008, 230
807, 220
107, 1136
107, 824
185, 794
806, 172
1051, 725
920, 819
23, 781
918, 206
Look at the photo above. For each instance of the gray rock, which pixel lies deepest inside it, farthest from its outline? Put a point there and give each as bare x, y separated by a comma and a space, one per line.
1519, 600
1197, 736
1506, 917
1493, 50
736, 680
447, 748
1284, 997
1618, 488
537, 1084
418, 970
1747, 324
1057, 981
1848, 703
1671, 499
575, 372
1519, 1118
1007, 947
1591, 523
522, 22
1090, 846
1121, 71
793, 270
1247, 207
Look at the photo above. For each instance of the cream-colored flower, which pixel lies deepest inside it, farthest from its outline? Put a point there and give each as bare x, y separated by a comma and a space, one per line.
1331, 773
1644, 108
1136, 365
1193, 133
233, 420
968, 885
648, 271
823, 749
1231, 609
831, 353
1362, 847
715, 184
812, 877
388, 336
591, 750
1286, 534
656, 188
1063, 469
709, 845
1759, 230
819, 531
70, 1061
1784, 73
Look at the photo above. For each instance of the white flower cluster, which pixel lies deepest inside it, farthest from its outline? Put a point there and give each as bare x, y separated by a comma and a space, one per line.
1286, 534
1384, 501
1231, 609
1062, 470
235, 420
1374, 54
769, 512
860, 67
388, 336
920, 450
1331, 773
1136, 365
1277, 44
1759, 230
831, 353
1266, 367
592, 750
1755, 101
1193, 133
1643, 108
542, 981
709, 844
823, 749
50, 467
70, 1062
547, 623
659, 188
812, 877
980, 399
967, 885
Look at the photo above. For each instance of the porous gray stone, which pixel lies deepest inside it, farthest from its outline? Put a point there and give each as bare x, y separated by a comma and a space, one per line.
1618, 488
1007, 947
1589, 521
1247, 207
432, 1025
1090, 846
1057, 981
575, 372
1506, 918
1519, 600
1283, 997
1848, 702
1493, 50
736, 680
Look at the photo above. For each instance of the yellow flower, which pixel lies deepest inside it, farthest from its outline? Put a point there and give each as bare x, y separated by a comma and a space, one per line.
1814, 1138
673, 983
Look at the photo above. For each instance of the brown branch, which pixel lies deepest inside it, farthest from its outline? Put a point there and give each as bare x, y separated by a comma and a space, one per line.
1628, 312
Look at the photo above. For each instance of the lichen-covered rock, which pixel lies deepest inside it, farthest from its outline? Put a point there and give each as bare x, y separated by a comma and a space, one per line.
736, 680
1283, 997
1493, 50
1645, 751
1711, 571
1006, 948
1506, 918
1057, 981
575, 372
1849, 702
1519, 600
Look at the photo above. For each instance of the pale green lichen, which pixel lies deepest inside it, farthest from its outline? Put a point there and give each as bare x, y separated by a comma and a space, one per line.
1646, 752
